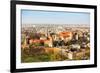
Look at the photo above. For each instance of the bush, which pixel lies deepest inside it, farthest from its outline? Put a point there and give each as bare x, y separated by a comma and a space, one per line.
46, 45
41, 58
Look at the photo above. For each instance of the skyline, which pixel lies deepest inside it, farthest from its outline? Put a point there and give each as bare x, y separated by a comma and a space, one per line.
51, 17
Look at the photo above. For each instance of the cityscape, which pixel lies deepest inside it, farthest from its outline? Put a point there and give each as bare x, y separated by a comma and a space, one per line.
54, 42
50, 36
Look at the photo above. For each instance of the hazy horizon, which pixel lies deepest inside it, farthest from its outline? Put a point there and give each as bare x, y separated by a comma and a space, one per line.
51, 17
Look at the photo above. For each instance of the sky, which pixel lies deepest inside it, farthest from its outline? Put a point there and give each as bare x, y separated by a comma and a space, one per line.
53, 17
